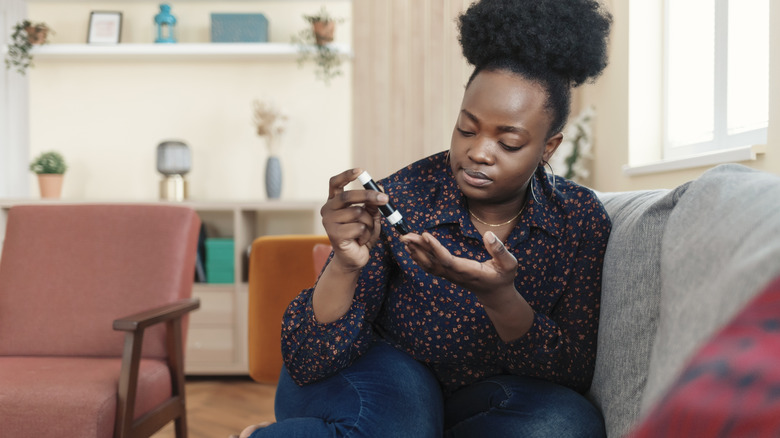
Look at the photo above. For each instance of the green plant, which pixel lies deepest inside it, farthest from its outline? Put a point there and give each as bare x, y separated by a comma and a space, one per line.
26, 34
323, 15
575, 152
49, 162
313, 43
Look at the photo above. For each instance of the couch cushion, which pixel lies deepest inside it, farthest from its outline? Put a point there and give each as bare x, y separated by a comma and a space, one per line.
629, 302
721, 246
74, 397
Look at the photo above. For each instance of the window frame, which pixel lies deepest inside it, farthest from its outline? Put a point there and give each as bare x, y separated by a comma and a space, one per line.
721, 139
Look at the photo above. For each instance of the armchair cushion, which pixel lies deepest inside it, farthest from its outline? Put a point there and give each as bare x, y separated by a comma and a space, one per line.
77, 395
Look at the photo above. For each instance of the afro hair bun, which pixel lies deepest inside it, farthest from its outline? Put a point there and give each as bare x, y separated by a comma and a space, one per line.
565, 37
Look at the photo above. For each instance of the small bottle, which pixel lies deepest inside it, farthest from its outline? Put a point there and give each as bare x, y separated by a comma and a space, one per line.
388, 210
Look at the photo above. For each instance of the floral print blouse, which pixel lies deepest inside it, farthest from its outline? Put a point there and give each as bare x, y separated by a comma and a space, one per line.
559, 243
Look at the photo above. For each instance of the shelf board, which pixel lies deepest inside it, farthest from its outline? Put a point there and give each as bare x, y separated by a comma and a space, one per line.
175, 51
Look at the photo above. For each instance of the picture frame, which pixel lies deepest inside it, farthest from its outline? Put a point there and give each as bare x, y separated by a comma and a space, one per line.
105, 27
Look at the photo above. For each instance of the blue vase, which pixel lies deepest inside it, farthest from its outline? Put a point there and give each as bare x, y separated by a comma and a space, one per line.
273, 177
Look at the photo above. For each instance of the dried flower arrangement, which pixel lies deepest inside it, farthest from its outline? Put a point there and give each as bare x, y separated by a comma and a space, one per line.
270, 122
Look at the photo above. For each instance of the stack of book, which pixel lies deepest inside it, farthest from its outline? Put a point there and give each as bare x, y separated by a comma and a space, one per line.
220, 260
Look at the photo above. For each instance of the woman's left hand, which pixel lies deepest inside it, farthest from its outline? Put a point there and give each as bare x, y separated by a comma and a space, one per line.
483, 279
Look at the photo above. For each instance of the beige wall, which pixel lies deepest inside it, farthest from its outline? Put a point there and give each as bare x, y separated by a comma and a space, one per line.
107, 116
610, 97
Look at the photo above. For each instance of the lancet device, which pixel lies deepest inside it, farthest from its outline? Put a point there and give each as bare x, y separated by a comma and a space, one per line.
388, 210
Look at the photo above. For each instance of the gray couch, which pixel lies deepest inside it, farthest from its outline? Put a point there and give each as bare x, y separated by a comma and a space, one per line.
679, 264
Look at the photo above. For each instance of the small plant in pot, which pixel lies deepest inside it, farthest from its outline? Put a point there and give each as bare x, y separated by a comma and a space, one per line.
314, 43
50, 168
26, 35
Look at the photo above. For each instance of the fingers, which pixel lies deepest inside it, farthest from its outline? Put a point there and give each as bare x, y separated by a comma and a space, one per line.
248, 431
338, 182
428, 252
371, 233
340, 198
351, 214
417, 248
503, 259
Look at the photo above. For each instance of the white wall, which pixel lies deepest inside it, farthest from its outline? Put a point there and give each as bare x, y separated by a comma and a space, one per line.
108, 116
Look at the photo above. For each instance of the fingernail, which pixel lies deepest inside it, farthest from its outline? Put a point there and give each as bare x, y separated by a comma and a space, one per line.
382, 198
491, 237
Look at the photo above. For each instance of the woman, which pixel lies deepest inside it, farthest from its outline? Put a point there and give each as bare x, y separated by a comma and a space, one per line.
482, 321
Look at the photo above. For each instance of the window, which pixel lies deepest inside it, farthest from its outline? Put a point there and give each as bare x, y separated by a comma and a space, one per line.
716, 75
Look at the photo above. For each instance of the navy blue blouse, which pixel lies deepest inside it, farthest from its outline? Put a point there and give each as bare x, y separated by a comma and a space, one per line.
559, 243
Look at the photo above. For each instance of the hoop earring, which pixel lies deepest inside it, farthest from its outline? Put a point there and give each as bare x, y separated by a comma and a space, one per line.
551, 171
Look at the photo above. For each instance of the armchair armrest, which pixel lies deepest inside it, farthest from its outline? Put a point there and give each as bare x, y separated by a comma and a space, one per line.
140, 321
134, 326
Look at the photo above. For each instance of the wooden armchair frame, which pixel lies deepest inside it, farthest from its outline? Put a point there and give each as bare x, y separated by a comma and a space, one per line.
175, 407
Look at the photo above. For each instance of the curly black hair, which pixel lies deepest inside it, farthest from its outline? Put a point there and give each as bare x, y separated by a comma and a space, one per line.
560, 44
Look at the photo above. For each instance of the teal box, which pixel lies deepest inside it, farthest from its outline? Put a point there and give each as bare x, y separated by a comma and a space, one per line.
219, 277
239, 28
220, 260
219, 247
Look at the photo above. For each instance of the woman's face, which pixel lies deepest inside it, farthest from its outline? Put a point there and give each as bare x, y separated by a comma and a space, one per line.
500, 138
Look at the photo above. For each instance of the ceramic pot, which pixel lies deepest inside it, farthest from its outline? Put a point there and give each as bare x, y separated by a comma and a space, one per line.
323, 31
50, 185
36, 34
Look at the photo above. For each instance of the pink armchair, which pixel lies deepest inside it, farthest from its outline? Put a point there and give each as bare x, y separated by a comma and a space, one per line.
68, 274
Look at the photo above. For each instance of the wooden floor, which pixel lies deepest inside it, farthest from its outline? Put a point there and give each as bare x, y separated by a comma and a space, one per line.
220, 406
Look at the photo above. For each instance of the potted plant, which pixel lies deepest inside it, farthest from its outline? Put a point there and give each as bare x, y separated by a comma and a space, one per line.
26, 34
314, 43
50, 167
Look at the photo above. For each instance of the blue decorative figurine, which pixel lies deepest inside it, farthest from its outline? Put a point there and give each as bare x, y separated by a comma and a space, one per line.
165, 24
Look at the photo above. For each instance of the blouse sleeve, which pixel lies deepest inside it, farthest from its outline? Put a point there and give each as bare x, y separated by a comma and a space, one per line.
313, 351
561, 346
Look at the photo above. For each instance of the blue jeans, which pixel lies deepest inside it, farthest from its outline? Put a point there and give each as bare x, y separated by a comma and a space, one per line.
387, 394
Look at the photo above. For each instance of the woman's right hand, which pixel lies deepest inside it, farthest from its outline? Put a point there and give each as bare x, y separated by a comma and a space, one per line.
351, 220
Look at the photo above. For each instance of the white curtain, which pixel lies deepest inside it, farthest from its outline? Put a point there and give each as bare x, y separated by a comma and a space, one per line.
14, 123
